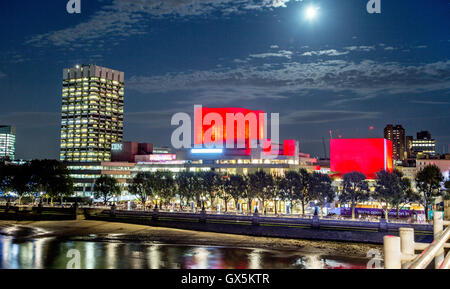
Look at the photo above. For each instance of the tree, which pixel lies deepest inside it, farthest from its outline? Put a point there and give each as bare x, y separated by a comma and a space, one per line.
393, 190
321, 189
106, 187
355, 189
167, 189
236, 187
223, 188
188, 186
21, 181
428, 182
5, 180
289, 186
249, 194
260, 184
139, 188
209, 182
447, 190
302, 191
52, 177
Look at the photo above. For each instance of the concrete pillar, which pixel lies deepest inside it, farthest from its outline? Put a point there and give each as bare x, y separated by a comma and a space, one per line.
392, 252
407, 242
438, 227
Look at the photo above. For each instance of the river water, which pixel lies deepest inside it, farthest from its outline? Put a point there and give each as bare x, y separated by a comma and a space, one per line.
53, 253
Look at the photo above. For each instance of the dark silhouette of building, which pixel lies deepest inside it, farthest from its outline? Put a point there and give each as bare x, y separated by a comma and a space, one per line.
396, 134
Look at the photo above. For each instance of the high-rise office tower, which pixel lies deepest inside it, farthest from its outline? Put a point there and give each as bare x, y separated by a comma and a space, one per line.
92, 113
396, 134
7, 142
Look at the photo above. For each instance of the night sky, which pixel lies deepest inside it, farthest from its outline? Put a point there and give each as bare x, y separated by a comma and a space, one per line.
345, 70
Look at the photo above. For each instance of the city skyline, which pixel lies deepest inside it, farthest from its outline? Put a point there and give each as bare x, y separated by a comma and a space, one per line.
378, 71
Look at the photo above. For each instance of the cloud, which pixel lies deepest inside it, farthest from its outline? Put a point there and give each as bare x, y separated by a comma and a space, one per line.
389, 48
281, 53
2, 75
325, 116
363, 80
123, 18
362, 48
274, 46
329, 52
430, 102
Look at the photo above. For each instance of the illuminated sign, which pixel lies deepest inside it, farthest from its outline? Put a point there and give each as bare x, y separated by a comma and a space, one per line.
117, 147
207, 151
367, 156
163, 157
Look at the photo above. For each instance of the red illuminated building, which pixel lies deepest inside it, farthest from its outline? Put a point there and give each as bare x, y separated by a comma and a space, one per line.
254, 124
367, 156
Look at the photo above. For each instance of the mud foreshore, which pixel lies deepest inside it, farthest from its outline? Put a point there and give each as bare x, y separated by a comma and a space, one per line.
108, 231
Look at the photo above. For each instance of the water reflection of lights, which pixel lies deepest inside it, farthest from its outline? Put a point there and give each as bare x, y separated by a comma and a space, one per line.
313, 262
154, 257
39, 252
254, 259
111, 259
90, 255
201, 256
137, 260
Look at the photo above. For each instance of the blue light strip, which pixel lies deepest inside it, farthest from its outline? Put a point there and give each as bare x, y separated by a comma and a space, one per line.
207, 151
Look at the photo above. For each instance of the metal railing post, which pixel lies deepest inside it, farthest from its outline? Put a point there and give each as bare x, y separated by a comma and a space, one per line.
392, 252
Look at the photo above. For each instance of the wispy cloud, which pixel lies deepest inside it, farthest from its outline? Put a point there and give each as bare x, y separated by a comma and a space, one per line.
329, 52
2, 75
325, 116
281, 53
124, 18
430, 102
364, 79
363, 48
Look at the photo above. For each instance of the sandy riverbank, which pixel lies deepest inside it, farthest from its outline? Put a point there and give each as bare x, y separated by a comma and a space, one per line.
107, 231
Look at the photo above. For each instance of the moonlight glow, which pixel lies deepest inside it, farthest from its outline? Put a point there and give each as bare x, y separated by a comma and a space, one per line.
311, 12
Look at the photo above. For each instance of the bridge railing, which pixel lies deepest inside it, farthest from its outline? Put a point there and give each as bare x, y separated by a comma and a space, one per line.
400, 252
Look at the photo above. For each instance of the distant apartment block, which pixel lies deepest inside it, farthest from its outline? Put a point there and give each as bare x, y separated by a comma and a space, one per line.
7, 142
396, 134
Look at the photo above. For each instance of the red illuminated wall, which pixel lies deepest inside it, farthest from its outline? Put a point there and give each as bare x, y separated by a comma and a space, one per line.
367, 156
200, 128
289, 147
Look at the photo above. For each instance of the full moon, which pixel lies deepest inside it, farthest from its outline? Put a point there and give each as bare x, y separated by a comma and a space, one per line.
311, 12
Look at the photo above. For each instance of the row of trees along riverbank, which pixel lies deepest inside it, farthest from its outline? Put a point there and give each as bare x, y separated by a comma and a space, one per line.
391, 189
36, 179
